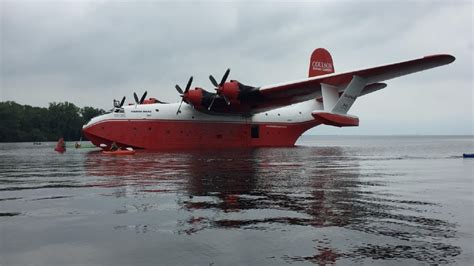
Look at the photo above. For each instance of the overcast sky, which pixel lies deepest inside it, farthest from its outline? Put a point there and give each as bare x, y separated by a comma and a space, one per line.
90, 52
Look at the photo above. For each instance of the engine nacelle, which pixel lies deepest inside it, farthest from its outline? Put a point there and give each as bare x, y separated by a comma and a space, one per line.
230, 90
194, 97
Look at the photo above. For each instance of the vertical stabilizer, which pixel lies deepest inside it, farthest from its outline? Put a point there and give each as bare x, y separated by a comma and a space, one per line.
320, 63
330, 96
335, 108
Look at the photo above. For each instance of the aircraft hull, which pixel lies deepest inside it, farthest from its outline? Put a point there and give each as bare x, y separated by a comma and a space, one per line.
175, 134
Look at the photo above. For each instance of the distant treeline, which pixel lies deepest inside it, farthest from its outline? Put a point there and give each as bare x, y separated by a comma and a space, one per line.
26, 123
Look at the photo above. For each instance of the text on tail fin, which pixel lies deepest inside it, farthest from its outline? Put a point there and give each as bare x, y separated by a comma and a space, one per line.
320, 63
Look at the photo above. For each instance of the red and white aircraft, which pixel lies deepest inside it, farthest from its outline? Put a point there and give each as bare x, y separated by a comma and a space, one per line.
237, 115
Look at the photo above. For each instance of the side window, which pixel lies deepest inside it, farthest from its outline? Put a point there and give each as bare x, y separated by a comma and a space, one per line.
255, 131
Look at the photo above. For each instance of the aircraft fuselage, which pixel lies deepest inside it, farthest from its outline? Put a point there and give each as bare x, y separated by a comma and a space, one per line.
158, 126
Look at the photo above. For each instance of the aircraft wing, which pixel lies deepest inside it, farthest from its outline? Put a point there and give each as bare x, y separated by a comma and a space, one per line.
275, 96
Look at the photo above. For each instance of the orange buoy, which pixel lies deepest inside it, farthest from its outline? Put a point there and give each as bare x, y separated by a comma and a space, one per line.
60, 146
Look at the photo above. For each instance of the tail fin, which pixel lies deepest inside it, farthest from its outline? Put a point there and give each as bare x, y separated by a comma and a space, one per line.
320, 63
335, 108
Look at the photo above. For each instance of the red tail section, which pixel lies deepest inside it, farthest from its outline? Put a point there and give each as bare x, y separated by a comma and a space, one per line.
320, 63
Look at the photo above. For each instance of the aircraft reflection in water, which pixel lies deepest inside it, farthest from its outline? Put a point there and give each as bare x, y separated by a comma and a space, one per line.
265, 189
241, 179
269, 179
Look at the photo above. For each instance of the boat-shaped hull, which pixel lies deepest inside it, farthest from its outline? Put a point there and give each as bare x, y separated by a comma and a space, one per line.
165, 134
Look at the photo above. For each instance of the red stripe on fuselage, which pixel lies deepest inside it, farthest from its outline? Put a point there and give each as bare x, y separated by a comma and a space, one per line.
172, 134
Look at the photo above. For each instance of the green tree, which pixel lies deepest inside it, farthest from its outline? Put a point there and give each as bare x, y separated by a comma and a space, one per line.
65, 120
27, 123
88, 113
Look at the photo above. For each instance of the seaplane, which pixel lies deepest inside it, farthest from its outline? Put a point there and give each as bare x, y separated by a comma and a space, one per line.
236, 115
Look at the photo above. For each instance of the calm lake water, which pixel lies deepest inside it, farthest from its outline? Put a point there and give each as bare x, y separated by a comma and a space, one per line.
342, 200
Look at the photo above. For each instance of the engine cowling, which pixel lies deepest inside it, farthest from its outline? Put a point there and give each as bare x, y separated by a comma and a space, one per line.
230, 90
193, 97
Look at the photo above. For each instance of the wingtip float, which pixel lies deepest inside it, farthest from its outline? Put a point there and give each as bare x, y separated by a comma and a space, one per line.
237, 115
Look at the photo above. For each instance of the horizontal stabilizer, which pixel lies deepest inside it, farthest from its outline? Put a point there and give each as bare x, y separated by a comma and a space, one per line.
367, 89
337, 120
373, 87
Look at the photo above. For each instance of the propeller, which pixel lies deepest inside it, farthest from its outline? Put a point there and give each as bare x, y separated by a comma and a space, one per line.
218, 86
224, 78
141, 99
122, 102
182, 93
136, 98
214, 98
212, 102
118, 104
178, 88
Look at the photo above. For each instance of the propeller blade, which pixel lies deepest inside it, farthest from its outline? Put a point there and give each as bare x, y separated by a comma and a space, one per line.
178, 88
189, 84
179, 108
143, 97
226, 100
136, 97
122, 102
213, 81
224, 78
212, 102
